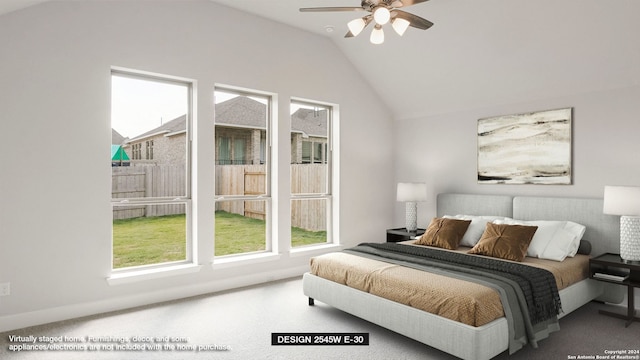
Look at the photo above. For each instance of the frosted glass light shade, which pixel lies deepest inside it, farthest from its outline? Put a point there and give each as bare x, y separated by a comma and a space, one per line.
411, 192
377, 35
381, 15
400, 25
356, 26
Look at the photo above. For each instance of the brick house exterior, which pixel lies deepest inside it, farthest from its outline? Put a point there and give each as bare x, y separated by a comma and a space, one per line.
164, 145
240, 137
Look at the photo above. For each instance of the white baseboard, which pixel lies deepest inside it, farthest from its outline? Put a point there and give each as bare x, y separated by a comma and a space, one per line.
72, 311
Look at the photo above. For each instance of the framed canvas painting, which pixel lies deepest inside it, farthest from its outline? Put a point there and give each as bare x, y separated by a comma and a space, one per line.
530, 148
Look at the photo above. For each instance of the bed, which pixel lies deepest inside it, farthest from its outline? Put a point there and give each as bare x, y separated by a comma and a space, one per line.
480, 337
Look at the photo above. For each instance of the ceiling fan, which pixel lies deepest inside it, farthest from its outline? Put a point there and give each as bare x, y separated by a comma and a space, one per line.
381, 12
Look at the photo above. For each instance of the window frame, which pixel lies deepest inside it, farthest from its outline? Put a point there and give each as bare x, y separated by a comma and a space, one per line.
190, 263
271, 246
330, 195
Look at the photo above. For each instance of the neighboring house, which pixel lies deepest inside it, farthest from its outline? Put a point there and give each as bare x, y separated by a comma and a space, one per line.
241, 133
240, 137
163, 145
309, 136
116, 138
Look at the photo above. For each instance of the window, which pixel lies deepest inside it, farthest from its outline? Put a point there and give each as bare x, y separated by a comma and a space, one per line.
314, 152
223, 153
238, 151
242, 172
149, 150
306, 152
311, 187
151, 198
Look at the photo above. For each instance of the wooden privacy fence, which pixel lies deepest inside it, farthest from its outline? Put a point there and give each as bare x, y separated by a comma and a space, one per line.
251, 180
169, 180
241, 180
309, 214
146, 182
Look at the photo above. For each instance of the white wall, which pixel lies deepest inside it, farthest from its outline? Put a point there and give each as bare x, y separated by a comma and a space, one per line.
442, 150
55, 216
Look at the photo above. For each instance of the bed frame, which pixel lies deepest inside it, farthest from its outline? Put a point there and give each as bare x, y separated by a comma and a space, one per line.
487, 341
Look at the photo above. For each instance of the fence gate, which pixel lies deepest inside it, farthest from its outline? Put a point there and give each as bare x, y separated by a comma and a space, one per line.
254, 184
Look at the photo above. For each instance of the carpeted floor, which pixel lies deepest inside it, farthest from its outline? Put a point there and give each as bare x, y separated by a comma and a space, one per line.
243, 321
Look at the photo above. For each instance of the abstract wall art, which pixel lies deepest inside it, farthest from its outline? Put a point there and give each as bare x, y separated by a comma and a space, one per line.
529, 148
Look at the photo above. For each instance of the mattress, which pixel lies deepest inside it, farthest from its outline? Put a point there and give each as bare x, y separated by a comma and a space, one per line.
455, 299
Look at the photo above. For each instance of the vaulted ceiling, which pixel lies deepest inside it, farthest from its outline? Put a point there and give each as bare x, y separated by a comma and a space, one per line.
479, 53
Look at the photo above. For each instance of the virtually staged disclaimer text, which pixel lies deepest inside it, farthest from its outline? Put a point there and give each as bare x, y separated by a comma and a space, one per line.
108, 343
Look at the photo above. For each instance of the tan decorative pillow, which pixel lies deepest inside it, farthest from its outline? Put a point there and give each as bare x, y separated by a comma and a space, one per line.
444, 233
504, 241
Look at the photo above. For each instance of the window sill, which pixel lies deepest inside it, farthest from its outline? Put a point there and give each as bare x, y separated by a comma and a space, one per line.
127, 277
239, 260
314, 250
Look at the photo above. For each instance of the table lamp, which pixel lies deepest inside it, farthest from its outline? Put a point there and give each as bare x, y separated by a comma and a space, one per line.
625, 201
411, 193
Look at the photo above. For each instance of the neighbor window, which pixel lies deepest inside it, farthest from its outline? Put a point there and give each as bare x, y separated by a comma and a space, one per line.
242, 194
151, 198
311, 188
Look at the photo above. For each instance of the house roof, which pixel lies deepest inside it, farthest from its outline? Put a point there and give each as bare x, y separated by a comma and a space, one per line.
116, 138
241, 111
245, 112
310, 122
169, 128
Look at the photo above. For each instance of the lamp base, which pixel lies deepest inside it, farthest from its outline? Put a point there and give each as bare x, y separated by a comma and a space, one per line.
630, 238
411, 218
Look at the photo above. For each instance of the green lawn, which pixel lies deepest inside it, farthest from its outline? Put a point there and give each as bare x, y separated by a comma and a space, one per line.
151, 240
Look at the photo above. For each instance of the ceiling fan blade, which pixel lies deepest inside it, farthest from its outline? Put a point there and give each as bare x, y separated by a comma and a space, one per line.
405, 3
322, 9
414, 20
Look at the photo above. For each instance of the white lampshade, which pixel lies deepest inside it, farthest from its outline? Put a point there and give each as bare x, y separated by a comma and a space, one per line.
412, 192
400, 25
377, 35
381, 15
356, 26
622, 200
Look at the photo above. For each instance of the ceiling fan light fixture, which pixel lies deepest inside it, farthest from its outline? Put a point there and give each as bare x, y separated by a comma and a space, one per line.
377, 35
381, 15
356, 26
400, 25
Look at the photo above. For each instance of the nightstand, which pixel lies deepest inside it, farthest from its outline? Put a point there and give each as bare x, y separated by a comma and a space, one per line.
612, 269
401, 234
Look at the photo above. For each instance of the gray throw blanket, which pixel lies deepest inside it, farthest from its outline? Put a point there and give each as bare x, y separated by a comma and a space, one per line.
529, 295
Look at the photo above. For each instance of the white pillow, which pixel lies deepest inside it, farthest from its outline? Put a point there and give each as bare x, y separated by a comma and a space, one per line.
553, 240
577, 231
476, 227
559, 247
543, 235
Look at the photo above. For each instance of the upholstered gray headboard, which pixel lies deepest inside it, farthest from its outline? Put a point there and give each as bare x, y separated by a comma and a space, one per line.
470, 204
603, 231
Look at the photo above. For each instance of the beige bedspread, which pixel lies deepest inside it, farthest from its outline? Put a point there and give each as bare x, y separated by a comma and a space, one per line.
455, 299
